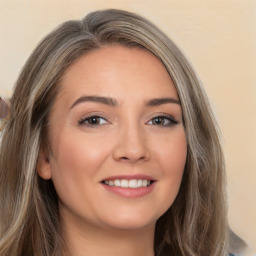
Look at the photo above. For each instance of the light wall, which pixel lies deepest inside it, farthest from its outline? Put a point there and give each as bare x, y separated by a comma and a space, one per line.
218, 36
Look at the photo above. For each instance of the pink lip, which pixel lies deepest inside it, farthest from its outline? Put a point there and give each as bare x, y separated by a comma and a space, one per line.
130, 192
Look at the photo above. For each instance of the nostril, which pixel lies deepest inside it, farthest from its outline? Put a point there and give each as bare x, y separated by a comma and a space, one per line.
125, 158
128, 152
132, 159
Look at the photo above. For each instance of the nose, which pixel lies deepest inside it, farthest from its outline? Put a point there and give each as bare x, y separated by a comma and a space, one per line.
131, 146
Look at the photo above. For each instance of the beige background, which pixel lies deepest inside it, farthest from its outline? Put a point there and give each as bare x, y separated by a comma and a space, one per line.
218, 36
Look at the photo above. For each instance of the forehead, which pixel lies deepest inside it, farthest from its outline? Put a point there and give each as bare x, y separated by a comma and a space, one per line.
118, 71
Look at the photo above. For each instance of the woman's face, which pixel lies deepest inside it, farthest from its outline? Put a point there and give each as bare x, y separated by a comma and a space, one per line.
116, 122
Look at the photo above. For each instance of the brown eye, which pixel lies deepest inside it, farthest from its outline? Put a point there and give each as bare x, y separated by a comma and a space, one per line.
158, 121
163, 121
93, 121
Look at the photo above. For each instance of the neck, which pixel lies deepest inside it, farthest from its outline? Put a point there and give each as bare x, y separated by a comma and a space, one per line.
83, 240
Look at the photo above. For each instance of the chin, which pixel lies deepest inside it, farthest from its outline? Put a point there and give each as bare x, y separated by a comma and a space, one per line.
130, 222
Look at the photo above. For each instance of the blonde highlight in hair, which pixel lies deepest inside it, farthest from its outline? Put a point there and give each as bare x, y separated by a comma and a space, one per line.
196, 223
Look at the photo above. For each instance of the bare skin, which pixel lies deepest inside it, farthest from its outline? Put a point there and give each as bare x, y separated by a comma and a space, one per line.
117, 118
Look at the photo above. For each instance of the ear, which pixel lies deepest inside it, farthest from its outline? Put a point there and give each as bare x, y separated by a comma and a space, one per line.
43, 166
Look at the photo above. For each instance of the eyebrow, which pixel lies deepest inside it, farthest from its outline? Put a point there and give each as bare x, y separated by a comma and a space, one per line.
99, 99
160, 101
112, 102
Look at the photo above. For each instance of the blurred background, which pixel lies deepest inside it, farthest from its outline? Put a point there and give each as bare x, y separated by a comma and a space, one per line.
219, 38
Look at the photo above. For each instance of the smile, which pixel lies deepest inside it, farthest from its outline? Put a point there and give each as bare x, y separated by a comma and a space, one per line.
125, 183
129, 186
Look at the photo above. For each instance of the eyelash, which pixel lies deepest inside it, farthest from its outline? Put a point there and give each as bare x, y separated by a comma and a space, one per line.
169, 118
86, 119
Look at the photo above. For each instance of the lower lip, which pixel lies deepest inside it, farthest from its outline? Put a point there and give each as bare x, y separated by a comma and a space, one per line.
130, 192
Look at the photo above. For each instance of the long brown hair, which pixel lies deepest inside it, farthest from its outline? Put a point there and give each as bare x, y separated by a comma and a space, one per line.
196, 223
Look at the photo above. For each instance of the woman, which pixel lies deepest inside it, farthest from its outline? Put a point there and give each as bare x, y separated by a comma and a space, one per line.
111, 147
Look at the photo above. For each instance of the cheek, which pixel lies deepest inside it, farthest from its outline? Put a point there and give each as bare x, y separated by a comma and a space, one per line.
78, 154
172, 153
75, 166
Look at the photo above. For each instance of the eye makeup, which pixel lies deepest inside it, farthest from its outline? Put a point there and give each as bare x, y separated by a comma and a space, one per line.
95, 120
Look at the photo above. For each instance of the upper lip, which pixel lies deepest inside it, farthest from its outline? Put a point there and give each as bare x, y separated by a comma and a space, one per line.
130, 177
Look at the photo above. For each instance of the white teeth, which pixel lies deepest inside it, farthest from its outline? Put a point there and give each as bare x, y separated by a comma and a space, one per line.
124, 184
117, 183
134, 183
144, 183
